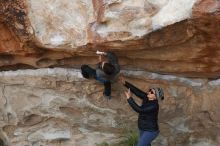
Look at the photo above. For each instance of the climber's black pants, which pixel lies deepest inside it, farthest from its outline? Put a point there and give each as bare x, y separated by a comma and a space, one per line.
89, 73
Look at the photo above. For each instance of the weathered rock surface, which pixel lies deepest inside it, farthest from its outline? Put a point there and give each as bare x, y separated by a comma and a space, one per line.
168, 37
47, 107
58, 107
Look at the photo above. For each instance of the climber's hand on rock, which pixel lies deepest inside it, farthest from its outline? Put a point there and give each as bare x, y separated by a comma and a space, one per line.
100, 53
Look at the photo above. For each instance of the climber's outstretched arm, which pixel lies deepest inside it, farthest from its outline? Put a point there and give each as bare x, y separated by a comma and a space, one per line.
100, 55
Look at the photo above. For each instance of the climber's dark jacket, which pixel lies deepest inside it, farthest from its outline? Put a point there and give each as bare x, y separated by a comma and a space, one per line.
112, 59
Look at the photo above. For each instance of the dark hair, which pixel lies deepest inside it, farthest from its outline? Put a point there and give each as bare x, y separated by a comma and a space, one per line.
108, 68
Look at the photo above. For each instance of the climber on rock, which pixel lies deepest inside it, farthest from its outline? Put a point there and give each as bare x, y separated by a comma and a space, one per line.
106, 71
148, 111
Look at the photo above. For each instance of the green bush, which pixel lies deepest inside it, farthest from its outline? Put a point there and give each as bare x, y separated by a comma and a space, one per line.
103, 144
131, 139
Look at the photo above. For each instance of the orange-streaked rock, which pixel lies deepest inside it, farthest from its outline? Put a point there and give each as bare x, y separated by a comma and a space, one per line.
188, 48
9, 43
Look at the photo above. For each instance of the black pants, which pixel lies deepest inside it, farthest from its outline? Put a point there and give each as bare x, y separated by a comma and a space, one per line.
89, 73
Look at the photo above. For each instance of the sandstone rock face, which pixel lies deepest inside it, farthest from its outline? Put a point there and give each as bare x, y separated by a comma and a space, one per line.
76, 23
51, 107
171, 39
168, 37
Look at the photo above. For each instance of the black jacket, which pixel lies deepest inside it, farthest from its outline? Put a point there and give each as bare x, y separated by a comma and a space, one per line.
112, 59
148, 111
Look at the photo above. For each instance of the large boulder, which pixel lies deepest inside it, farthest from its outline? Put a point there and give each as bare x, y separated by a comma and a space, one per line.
167, 43
168, 37
58, 107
